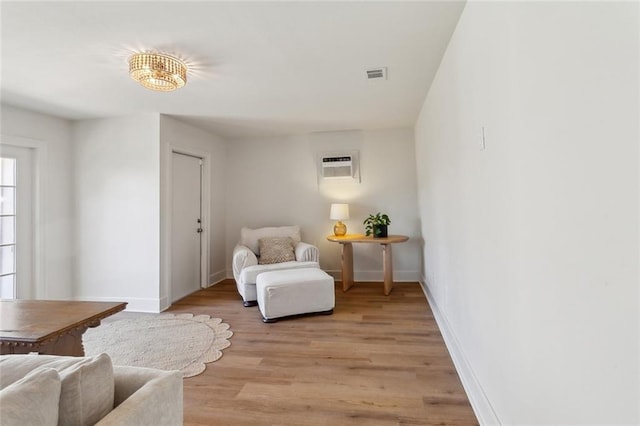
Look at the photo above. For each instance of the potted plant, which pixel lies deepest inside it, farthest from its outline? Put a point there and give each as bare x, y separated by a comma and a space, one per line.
376, 225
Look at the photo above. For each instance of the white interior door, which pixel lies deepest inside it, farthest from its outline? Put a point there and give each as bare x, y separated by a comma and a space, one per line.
186, 226
16, 222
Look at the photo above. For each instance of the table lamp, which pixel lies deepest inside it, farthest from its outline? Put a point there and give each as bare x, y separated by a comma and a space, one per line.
339, 212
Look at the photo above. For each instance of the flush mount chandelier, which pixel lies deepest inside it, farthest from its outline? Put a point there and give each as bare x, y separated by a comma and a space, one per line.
158, 71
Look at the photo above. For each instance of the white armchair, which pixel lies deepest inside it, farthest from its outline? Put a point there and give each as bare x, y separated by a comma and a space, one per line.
246, 258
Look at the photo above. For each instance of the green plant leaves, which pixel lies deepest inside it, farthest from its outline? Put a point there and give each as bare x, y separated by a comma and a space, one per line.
373, 221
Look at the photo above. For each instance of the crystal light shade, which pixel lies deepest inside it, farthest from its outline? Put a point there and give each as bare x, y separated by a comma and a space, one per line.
339, 212
157, 71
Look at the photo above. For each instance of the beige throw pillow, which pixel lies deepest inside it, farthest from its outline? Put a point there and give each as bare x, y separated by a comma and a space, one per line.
276, 250
32, 400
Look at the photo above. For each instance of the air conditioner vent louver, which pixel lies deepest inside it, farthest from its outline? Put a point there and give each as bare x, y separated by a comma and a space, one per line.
377, 73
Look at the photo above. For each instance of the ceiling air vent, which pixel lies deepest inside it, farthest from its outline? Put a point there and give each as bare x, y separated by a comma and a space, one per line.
377, 74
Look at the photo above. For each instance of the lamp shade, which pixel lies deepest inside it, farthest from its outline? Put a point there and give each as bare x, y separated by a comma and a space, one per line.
339, 212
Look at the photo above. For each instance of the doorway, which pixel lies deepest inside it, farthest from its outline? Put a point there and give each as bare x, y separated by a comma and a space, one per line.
16, 222
186, 225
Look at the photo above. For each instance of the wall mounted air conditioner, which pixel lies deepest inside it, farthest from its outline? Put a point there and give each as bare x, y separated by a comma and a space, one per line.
337, 167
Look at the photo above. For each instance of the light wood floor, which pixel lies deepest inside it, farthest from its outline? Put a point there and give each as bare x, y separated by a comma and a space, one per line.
378, 360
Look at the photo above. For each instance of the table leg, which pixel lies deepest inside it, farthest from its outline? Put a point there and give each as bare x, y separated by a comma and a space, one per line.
387, 267
69, 344
347, 266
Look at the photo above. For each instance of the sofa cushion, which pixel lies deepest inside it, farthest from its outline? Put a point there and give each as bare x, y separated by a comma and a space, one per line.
275, 250
32, 400
250, 237
87, 383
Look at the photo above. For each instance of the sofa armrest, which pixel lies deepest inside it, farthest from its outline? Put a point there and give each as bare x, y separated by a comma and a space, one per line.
242, 257
144, 396
307, 253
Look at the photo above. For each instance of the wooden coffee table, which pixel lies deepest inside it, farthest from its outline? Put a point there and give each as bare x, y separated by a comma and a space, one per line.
49, 326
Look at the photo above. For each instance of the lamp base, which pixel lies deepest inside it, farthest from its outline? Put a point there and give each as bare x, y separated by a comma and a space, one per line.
340, 229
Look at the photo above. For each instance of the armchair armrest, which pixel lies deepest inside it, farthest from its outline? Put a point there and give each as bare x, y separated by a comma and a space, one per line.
307, 253
242, 257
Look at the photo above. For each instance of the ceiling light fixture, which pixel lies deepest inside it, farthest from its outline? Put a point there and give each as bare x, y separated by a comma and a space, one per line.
158, 71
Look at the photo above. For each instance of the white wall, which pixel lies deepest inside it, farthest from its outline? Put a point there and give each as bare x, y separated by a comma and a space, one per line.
531, 245
176, 135
272, 182
117, 210
51, 139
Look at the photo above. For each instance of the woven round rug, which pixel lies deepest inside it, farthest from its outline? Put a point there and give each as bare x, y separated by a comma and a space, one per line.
167, 342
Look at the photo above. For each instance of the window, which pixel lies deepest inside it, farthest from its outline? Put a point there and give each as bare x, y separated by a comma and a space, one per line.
7, 228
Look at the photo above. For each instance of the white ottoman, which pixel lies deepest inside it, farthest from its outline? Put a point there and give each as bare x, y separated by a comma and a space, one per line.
295, 292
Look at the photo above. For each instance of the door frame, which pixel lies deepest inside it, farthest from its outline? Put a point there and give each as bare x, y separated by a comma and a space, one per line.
38, 208
166, 216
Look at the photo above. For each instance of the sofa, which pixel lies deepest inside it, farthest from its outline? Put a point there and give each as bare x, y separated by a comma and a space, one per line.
286, 251
82, 391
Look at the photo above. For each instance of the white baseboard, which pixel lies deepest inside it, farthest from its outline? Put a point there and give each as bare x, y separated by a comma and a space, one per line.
133, 304
377, 276
216, 277
164, 303
477, 397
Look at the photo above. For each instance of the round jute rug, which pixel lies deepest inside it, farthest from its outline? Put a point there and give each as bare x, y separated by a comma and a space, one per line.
167, 342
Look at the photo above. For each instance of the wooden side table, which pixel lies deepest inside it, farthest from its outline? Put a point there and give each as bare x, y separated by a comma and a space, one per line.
347, 241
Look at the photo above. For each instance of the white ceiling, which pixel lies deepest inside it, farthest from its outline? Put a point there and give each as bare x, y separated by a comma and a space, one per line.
258, 68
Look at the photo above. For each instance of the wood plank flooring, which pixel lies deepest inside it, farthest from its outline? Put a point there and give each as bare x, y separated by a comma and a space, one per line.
378, 360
